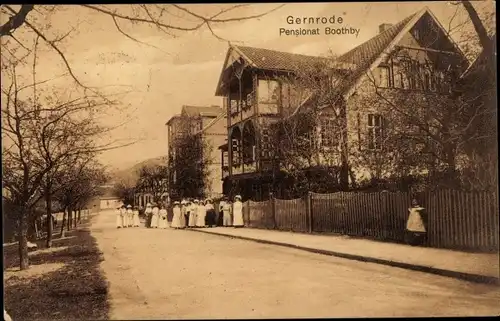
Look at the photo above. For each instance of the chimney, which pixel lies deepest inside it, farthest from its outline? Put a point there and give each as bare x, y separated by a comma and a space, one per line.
383, 27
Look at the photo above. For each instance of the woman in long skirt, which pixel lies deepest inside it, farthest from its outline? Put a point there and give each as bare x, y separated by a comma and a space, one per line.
226, 213
119, 217
136, 217
192, 214
148, 212
130, 216
188, 212
201, 213
162, 218
155, 215
182, 218
123, 211
176, 218
210, 219
238, 212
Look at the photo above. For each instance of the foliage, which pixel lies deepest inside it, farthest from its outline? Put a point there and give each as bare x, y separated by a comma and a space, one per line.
153, 179
190, 166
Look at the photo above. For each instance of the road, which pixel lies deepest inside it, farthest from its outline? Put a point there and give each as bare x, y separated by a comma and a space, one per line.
180, 274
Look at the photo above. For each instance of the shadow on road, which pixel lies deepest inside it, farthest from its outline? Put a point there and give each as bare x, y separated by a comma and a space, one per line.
63, 282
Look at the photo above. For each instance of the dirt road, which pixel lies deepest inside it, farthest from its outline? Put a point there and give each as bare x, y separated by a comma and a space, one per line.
162, 274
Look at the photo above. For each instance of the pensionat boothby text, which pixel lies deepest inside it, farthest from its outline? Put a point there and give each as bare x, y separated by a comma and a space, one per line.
318, 31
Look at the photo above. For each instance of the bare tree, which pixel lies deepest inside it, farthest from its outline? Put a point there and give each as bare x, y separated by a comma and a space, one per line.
429, 120
77, 187
309, 140
169, 20
39, 134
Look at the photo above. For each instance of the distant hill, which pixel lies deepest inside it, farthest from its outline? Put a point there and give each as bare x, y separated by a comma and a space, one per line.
131, 174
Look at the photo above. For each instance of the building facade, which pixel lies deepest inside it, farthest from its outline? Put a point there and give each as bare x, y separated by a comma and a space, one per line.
409, 65
193, 138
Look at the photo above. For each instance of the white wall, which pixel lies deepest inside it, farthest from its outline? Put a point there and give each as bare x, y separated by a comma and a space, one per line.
111, 203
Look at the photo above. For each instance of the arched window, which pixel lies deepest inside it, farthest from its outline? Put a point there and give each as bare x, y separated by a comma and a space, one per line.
249, 143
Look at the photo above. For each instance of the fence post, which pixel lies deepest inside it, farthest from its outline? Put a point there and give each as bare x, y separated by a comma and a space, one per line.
309, 211
273, 210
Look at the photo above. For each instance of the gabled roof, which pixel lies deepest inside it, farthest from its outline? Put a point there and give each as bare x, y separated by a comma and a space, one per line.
364, 55
201, 111
267, 59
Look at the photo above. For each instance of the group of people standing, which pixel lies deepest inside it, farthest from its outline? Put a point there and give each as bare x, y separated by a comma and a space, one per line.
195, 213
127, 216
187, 213
156, 216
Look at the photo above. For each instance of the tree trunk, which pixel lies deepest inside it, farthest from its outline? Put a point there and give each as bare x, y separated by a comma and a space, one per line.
79, 215
50, 223
75, 221
70, 214
478, 25
23, 240
63, 222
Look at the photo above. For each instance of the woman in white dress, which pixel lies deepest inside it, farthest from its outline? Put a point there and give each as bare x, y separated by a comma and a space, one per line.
136, 217
226, 213
149, 212
162, 219
123, 213
176, 218
155, 216
182, 219
119, 217
238, 212
201, 213
193, 210
130, 216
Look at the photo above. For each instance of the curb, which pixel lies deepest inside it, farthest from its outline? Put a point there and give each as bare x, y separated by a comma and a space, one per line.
476, 278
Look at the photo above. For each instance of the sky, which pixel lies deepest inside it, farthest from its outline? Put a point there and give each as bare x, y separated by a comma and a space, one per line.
184, 70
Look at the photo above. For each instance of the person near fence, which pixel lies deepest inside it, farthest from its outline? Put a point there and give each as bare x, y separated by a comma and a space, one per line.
130, 216
220, 217
201, 213
416, 233
177, 216
119, 217
162, 217
238, 212
148, 211
226, 212
184, 214
135, 217
155, 216
192, 213
210, 219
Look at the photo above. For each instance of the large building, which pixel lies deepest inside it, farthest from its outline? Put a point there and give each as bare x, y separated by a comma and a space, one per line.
408, 62
207, 127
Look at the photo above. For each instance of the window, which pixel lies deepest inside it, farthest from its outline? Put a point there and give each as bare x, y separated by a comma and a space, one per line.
269, 92
286, 96
225, 158
383, 77
265, 144
234, 106
249, 101
375, 135
328, 138
236, 152
416, 34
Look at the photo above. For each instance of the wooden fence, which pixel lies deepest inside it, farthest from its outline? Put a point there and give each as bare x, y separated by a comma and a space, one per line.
455, 219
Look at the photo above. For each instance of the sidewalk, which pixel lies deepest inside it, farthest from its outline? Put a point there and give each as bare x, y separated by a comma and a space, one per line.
477, 267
